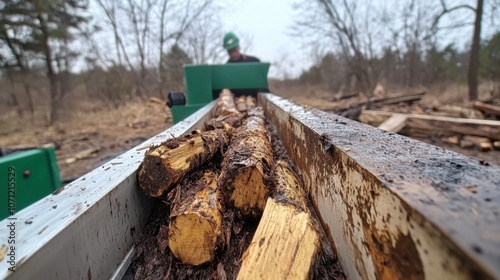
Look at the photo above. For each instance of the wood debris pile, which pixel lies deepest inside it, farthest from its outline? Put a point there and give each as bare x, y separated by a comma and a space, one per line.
474, 127
230, 205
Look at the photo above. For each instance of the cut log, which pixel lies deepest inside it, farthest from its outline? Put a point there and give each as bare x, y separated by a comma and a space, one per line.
487, 108
484, 128
223, 122
496, 145
482, 143
251, 102
241, 104
287, 240
165, 164
394, 124
225, 104
196, 221
453, 140
246, 175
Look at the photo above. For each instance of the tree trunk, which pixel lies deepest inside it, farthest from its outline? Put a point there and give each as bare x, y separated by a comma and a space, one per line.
246, 174
196, 221
474, 53
165, 164
50, 70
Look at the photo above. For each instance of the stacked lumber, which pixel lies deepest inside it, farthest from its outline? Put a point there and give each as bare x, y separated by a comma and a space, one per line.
217, 189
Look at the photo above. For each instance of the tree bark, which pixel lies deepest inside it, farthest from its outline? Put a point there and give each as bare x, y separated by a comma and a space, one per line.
474, 53
225, 104
165, 164
196, 221
246, 175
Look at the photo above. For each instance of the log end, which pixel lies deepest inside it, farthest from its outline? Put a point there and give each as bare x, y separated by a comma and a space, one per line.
284, 246
153, 177
193, 238
249, 193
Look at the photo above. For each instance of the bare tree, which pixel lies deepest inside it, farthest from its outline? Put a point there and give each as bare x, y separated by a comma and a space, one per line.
144, 29
349, 26
204, 41
472, 74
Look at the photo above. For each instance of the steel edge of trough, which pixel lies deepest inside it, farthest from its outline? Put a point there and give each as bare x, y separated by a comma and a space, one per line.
87, 229
408, 210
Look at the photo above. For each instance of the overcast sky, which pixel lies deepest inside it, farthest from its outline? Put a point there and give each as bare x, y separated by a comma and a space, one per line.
267, 23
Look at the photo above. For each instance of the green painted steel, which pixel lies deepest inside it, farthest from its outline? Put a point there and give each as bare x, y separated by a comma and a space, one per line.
240, 76
181, 112
201, 81
27, 177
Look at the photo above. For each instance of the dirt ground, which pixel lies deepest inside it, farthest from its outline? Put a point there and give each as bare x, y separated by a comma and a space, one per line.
85, 141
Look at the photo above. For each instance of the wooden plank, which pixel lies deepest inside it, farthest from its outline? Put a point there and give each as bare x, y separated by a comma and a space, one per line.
487, 108
483, 128
394, 124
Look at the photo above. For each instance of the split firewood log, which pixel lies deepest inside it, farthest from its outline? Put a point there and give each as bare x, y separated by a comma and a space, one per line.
196, 221
165, 164
246, 176
287, 242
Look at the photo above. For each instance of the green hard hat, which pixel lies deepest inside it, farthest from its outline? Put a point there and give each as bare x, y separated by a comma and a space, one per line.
230, 41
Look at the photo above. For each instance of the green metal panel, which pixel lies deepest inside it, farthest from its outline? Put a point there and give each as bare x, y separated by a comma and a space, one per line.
181, 112
201, 80
198, 83
240, 76
27, 177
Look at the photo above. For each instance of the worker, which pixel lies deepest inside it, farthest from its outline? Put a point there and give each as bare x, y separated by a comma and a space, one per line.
232, 45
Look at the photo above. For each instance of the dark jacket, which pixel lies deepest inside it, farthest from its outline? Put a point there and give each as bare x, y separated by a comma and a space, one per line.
244, 58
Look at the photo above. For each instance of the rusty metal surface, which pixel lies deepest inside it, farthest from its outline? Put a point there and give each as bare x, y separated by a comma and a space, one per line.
396, 208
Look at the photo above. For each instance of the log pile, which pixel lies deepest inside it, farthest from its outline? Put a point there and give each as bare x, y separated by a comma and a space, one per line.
467, 133
230, 205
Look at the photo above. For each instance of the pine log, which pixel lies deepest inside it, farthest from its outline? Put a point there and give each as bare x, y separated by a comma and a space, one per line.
482, 143
251, 102
246, 174
225, 122
241, 104
487, 108
225, 104
496, 145
196, 221
165, 164
287, 242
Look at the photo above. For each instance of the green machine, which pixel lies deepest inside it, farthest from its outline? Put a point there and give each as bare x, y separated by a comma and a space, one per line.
203, 84
27, 176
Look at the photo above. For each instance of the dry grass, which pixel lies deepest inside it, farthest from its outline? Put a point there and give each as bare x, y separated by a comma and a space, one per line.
109, 131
